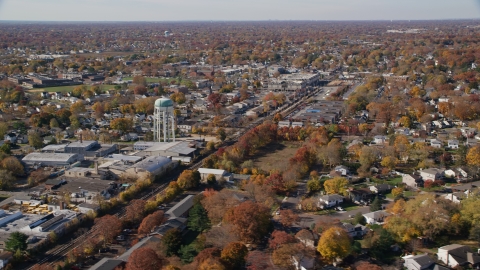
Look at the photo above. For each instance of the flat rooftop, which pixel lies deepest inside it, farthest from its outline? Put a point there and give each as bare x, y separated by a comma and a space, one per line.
74, 185
58, 157
176, 147
82, 144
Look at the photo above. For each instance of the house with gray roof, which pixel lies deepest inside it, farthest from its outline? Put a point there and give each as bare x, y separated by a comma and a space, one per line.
327, 201
181, 208
377, 217
420, 262
458, 255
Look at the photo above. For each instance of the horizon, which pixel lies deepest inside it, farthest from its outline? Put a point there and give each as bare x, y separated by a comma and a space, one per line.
270, 20
248, 10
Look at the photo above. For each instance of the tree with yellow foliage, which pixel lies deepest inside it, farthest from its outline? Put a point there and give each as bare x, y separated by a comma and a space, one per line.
397, 191
389, 162
211, 264
398, 207
335, 185
334, 244
473, 156
405, 121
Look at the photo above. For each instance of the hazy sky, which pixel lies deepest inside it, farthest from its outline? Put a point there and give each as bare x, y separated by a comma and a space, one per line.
180, 10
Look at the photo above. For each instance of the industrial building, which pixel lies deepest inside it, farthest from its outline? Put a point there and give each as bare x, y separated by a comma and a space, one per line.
293, 82
168, 149
90, 148
85, 189
219, 174
34, 225
51, 159
321, 112
153, 165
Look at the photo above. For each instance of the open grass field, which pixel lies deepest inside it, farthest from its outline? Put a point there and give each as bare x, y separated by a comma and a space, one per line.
275, 156
151, 80
68, 88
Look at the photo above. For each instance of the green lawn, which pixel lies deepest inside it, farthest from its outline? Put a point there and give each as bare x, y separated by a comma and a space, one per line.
151, 80
324, 212
350, 208
391, 181
408, 193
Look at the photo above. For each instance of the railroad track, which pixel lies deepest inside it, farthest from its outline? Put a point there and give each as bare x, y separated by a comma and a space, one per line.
54, 255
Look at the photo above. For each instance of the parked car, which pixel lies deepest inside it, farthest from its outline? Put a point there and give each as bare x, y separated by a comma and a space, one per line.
121, 238
103, 250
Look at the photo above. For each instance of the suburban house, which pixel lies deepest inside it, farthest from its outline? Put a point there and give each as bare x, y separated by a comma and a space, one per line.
381, 188
355, 230
327, 201
380, 139
219, 174
303, 263
412, 180
431, 174
436, 143
453, 144
307, 238
362, 195
456, 197
458, 255
468, 132
342, 169
420, 262
377, 217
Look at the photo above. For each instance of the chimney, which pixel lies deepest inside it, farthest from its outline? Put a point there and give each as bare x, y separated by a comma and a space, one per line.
96, 167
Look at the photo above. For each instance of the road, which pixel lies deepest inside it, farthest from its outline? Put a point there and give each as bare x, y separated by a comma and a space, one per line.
60, 251
352, 89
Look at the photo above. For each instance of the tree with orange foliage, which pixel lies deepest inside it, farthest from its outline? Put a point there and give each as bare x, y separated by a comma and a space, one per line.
144, 258
208, 253
233, 255
288, 217
250, 220
367, 266
108, 227
211, 264
140, 90
135, 210
278, 238
151, 221
44, 266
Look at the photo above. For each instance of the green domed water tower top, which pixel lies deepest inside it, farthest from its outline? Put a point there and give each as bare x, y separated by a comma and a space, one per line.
163, 102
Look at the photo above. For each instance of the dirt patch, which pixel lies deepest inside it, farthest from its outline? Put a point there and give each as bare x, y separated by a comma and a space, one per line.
275, 156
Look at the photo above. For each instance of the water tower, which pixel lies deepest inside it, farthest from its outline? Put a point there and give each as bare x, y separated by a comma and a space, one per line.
164, 120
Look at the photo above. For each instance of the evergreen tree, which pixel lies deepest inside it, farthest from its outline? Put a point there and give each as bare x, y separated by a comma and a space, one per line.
382, 245
172, 241
376, 205
198, 219
359, 219
16, 241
